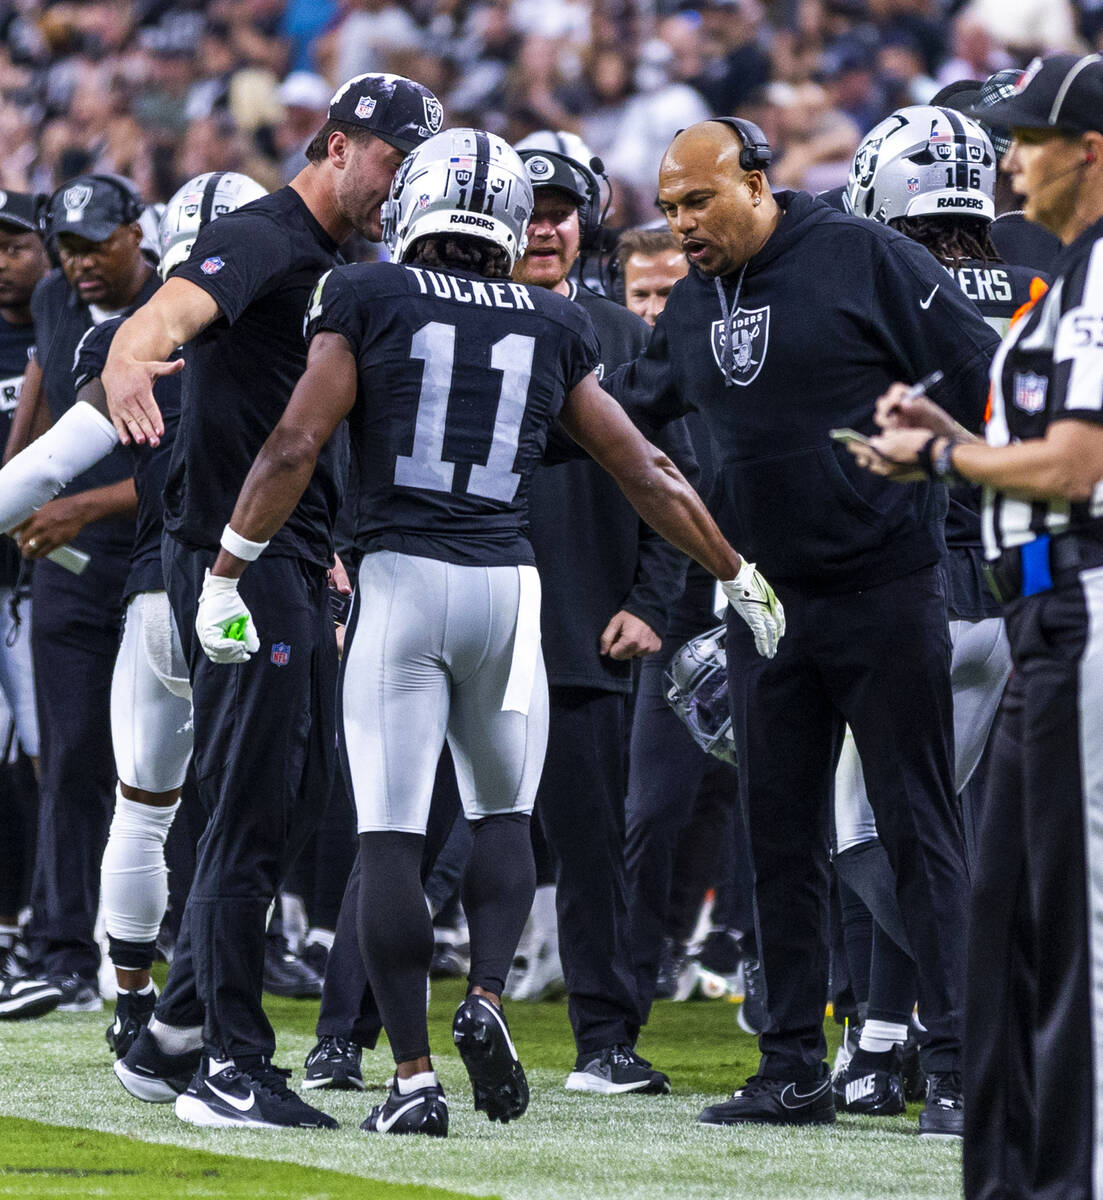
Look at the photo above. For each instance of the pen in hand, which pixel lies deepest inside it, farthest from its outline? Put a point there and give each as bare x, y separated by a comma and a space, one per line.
920, 388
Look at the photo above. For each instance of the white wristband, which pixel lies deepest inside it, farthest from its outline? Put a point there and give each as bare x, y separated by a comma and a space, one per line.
241, 547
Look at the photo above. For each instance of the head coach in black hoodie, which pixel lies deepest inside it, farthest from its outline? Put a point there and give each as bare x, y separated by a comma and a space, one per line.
792, 320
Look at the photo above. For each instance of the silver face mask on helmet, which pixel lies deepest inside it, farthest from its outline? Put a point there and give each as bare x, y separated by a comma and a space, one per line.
462, 181
697, 689
923, 161
196, 204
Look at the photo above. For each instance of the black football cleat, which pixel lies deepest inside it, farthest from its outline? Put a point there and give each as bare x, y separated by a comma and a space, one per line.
943, 1115
223, 1095
871, 1085
481, 1034
133, 1011
424, 1111
774, 1102
149, 1074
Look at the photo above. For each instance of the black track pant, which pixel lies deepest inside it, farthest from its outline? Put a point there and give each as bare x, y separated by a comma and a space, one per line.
265, 747
580, 805
1034, 1051
879, 660
74, 641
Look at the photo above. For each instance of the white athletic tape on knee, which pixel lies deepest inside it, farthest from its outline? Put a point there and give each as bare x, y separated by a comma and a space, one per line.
133, 877
77, 441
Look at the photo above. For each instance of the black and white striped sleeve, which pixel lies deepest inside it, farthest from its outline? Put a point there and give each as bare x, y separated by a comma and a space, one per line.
1078, 346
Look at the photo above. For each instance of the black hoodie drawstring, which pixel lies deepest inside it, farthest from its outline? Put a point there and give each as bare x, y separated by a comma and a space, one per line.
727, 354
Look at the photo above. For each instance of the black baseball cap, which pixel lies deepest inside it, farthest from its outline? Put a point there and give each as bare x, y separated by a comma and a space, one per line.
395, 109
548, 169
1064, 92
93, 207
19, 210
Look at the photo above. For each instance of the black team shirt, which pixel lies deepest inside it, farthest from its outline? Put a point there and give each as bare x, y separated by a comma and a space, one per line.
60, 321
259, 264
459, 379
16, 344
149, 463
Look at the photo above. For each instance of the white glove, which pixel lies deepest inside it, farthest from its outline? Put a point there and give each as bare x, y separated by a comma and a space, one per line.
224, 624
754, 600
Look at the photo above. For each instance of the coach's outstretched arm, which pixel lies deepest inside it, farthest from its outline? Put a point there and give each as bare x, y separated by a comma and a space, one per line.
173, 315
660, 494
276, 481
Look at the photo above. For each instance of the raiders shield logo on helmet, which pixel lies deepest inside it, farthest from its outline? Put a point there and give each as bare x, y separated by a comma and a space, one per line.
750, 337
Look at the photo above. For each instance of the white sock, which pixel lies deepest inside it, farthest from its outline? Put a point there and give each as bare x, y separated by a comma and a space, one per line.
9, 935
544, 918
75, 442
176, 1039
134, 881
423, 1079
321, 937
879, 1036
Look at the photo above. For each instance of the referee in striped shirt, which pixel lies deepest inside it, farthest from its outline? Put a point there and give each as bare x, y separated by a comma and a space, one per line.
1034, 1020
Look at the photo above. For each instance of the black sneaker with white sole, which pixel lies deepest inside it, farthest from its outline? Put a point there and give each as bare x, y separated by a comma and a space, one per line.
133, 1011
775, 1102
943, 1115
871, 1084
149, 1074
334, 1063
77, 993
614, 1070
22, 996
481, 1034
224, 1095
424, 1111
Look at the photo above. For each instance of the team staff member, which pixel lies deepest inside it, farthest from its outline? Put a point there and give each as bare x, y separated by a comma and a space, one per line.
607, 581
451, 645
264, 734
776, 342
1034, 1120
651, 262
93, 221
23, 263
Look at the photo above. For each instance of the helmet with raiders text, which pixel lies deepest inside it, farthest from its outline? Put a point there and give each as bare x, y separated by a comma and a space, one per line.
462, 181
923, 161
696, 684
196, 204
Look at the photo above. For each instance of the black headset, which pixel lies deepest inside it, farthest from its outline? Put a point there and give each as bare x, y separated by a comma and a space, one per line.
756, 154
133, 204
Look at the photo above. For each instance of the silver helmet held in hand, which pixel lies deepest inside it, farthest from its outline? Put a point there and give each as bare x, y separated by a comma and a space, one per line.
923, 161
462, 181
196, 204
696, 686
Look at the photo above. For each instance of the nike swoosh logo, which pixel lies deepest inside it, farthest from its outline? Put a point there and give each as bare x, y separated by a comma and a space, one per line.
790, 1092
385, 1123
925, 304
242, 1106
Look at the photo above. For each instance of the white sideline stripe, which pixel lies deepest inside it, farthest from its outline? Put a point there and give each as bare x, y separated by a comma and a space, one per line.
1090, 686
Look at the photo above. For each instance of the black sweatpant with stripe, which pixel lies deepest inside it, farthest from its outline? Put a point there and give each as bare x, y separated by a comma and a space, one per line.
1034, 1046
265, 748
878, 660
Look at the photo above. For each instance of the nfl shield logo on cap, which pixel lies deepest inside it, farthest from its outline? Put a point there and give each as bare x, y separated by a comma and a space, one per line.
365, 106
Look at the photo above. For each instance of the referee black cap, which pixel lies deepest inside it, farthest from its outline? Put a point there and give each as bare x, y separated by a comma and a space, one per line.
1062, 92
395, 109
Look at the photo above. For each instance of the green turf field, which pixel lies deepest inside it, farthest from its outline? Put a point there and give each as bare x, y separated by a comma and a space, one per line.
67, 1129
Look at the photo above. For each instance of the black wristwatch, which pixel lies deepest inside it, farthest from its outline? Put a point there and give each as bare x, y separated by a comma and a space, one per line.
942, 464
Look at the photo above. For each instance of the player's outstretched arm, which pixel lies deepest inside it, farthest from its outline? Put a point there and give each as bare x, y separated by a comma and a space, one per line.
275, 483
664, 499
172, 316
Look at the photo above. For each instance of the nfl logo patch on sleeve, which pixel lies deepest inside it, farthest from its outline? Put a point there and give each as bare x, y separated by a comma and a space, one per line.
212, 266
281, 654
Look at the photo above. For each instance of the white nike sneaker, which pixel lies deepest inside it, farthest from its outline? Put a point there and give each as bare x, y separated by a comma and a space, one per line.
224, 1095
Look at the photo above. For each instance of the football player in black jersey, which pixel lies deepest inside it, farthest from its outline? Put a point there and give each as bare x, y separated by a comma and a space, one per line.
264, 736
434, 360
1034, 1017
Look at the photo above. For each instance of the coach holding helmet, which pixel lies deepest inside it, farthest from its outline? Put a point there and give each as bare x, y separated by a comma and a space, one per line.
264, 729
1034, 1056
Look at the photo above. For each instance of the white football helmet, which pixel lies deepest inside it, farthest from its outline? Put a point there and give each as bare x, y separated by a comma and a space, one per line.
462, 181
923, 161
697, 690
196, 204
